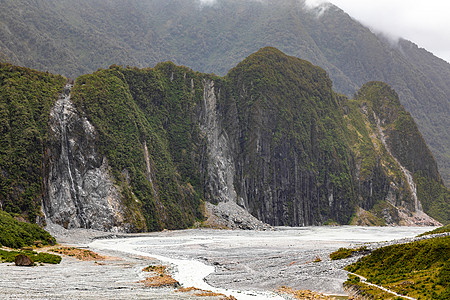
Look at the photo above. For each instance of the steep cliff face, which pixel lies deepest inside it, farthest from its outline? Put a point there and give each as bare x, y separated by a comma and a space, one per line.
130, 149
220, 160
407, 160
80, 191
26, 97
148, 131
305, 155
292, 162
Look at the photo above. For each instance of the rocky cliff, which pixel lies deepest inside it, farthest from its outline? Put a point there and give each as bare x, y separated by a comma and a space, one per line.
216, 37
130, 149
302, 160
79, 189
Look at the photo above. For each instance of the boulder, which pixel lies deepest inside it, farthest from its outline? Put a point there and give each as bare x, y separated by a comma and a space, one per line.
23, 260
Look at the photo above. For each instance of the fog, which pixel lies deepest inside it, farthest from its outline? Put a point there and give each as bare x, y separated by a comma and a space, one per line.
425, 23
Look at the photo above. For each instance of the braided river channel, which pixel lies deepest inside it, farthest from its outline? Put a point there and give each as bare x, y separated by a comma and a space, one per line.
253, 264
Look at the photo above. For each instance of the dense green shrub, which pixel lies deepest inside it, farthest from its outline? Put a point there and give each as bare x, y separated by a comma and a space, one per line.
417, 269
15, 234
26, 97
342, 253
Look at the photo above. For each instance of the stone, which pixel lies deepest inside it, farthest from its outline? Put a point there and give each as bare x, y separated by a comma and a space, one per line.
23, 260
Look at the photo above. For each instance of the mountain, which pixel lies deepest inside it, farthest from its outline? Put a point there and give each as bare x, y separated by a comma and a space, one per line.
78, 37
128, 149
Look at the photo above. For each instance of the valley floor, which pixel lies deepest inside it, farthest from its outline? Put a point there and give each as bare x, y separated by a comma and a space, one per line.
254, 261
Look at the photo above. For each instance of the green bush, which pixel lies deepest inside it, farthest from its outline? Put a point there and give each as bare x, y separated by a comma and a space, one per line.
9, 256
346, 252
341, 254
417, 269
444, 274
15, 234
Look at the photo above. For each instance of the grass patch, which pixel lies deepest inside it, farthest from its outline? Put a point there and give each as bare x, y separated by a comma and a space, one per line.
367, 291
160, 277
420, 269
41, 257
203, 293
342, 253
303, 294
160, 281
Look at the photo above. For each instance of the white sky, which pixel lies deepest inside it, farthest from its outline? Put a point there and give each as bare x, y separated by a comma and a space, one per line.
424, 22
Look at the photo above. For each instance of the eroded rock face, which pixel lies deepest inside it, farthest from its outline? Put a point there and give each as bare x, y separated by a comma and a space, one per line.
80, 192
220, 166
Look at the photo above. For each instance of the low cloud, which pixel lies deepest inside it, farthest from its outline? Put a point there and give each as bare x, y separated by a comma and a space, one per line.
314, 3
208, 2
425, 23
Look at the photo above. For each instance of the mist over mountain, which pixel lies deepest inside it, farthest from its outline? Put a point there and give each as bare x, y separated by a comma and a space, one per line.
77, 37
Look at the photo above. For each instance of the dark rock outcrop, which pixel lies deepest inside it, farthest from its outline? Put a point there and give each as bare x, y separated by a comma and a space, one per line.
23, 260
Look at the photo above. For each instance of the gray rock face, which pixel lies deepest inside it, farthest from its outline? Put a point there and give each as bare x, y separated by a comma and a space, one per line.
220, 167
80, 192
269, 179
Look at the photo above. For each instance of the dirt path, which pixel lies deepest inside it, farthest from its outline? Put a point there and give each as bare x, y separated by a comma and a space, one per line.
364, 280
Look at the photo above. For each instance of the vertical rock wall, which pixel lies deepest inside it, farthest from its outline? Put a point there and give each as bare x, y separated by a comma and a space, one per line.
79, 190
220, 165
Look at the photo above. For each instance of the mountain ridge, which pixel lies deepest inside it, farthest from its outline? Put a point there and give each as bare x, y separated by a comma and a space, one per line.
271, 136
215, 38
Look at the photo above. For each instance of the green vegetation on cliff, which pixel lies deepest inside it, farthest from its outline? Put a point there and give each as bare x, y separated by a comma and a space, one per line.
405, 143
214, 38
15, 234
26, 97
289, 116
295, 152
152, 109
420, 269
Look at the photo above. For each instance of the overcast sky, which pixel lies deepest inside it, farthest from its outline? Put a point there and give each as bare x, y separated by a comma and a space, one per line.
425, 22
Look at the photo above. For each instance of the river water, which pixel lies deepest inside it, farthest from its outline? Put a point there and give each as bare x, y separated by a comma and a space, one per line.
252, 264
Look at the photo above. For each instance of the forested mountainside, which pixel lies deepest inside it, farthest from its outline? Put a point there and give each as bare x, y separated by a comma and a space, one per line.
78, 37
26, 99
128, 149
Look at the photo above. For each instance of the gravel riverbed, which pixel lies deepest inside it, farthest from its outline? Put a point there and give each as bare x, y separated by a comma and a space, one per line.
255, 262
